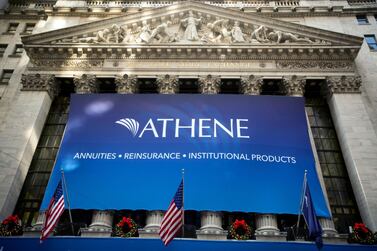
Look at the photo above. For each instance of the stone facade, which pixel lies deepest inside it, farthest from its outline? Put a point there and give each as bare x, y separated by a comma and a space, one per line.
197, 41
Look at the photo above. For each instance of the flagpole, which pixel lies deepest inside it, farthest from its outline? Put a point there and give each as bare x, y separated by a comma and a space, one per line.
68, 203
183, 200
301, 201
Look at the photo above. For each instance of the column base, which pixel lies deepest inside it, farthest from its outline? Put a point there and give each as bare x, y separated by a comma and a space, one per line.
95, 232
149, 233
335, 239
211, 234
33, 231
270, 236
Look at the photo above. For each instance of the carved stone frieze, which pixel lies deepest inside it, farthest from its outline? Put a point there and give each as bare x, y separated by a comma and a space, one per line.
209, 84
251, 85
126, 84
315, 65
39, 82
85, 84
167, 84
294, 86
343, 84
191, 27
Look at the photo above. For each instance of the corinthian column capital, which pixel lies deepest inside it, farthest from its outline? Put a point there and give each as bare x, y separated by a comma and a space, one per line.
294, 85
167, 84
209, 84
85, 84
126, 84
251, 85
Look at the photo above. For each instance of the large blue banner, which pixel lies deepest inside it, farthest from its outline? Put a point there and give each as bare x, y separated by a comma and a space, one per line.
240, 153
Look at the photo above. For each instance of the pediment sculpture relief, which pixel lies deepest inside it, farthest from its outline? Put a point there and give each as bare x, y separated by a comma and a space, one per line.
192, 29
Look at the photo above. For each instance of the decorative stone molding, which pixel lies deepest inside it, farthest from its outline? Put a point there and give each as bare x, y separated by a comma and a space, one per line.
343, 84
209, 84
39, 82
37, 61
85, 84
126, 84
315, 65
167, 84
294, 86
251, 85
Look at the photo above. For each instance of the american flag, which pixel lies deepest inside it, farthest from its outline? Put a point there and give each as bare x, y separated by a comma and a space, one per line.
173, 218
54, 211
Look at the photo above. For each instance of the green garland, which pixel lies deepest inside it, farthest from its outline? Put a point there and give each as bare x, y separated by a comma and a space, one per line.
11, 226
126, 228
240, 230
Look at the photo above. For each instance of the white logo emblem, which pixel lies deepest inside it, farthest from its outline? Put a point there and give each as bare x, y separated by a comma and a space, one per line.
131, 124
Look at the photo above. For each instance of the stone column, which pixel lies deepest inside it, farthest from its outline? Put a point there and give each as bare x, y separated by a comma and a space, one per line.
211, 226
295, 86
167, 84
251, 85
101, 225
209, 84
19, 138
358, 142
266, 224
126, 84
211, 222
153, 224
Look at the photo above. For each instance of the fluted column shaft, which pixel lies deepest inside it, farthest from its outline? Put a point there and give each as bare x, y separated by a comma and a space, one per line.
267, 224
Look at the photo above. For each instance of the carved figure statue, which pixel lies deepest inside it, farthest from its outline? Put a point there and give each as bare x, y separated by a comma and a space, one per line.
160, 33
191, 22
218, 32
126, 35
260, 34
286, 37
107, 35
145, 33
237, 34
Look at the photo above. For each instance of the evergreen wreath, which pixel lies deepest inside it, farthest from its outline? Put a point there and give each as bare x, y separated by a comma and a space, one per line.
11, 226
126, 228
240, 230
362, 235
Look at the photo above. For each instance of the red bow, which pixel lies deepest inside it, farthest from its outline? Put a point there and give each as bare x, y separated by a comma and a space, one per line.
240, 224
361, 226
11, 219
124, 221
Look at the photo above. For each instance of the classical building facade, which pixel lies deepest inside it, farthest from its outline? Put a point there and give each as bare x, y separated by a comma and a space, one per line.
314, 49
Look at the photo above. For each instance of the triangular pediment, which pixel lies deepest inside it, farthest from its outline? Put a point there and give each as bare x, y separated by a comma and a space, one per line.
189, 24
